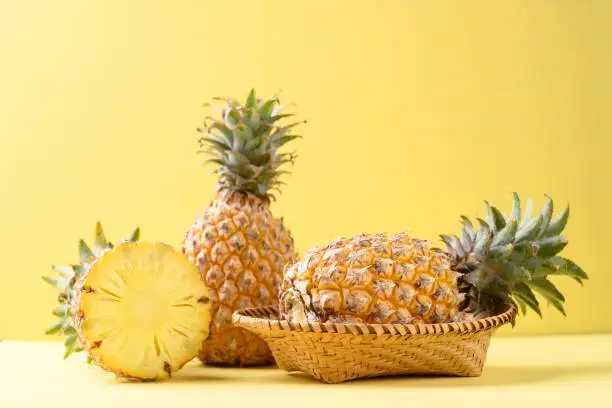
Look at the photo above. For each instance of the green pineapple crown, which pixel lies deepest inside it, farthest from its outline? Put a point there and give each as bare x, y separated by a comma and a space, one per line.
244, 143
509, 257
65, 285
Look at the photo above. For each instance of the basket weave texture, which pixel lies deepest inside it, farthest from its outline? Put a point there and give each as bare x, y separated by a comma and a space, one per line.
334, 353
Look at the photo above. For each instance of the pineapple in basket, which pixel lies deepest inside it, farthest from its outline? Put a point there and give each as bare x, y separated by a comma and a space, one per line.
401, 279
139, 310
239, 247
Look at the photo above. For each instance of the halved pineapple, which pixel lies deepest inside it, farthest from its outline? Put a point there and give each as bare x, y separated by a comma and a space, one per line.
142, 311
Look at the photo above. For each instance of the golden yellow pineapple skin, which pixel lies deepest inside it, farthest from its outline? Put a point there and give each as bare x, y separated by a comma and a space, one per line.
241, 250
372, 279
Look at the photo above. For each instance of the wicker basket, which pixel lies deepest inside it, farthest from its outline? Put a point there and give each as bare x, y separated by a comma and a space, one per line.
334, 353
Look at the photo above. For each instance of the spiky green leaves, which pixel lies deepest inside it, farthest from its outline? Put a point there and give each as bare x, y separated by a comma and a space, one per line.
510, 258
244, 142
65, 282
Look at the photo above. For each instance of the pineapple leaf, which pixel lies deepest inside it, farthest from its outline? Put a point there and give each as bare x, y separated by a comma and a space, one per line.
216, 161
516, 208
479, 278
253, 119
225, 132
529, 231
482, 242
70, 345
260, 160
557, 225
468, 227
215, 144
551, 246
524, 293
60, 283
61, 311
219, 138
79, 270
500, 220
453, 244
506, 235
546, 213
484, 226
277, 110
64, 271
55, 328
86, 255
546, 288
528, 213
276, 118
232, 119
100, 243
494, 218
285, 139
266, 109
563, 266
135, 235
513, 273
521, 306
447, 243
70, 339
242, 135
457, 245
558, 305
251, 102
501, 252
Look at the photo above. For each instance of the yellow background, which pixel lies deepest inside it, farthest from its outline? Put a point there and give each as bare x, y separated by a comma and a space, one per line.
418, 111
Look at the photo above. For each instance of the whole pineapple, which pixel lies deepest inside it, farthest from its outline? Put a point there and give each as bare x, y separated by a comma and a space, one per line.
400, 279
240, 248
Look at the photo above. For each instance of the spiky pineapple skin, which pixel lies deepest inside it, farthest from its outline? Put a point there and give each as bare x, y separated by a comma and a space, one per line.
372, 279
241, 250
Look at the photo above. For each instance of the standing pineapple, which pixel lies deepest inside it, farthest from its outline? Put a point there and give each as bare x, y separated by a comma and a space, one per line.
240, 248
400, 279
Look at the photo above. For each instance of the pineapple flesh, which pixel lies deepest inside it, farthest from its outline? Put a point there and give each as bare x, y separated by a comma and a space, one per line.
400, 279
141, 311
237, 244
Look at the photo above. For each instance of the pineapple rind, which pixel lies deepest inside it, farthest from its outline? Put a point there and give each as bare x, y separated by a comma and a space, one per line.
142, 311
371, 279
240, 250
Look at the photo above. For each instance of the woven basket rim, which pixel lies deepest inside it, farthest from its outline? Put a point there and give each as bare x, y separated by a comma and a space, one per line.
260, 318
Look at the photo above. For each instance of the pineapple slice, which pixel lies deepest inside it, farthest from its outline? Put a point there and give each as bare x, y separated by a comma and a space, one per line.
142, 311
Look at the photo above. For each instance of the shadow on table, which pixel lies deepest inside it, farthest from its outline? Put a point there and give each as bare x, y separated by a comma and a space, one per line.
492, 376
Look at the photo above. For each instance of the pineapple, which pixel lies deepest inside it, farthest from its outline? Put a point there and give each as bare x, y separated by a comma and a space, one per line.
139, 310
401, 279
239, 247
65, 285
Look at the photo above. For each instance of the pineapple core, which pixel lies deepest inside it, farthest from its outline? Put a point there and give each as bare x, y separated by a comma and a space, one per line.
144, 310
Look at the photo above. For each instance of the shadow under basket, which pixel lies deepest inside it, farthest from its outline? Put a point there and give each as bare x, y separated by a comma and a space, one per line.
334, 353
